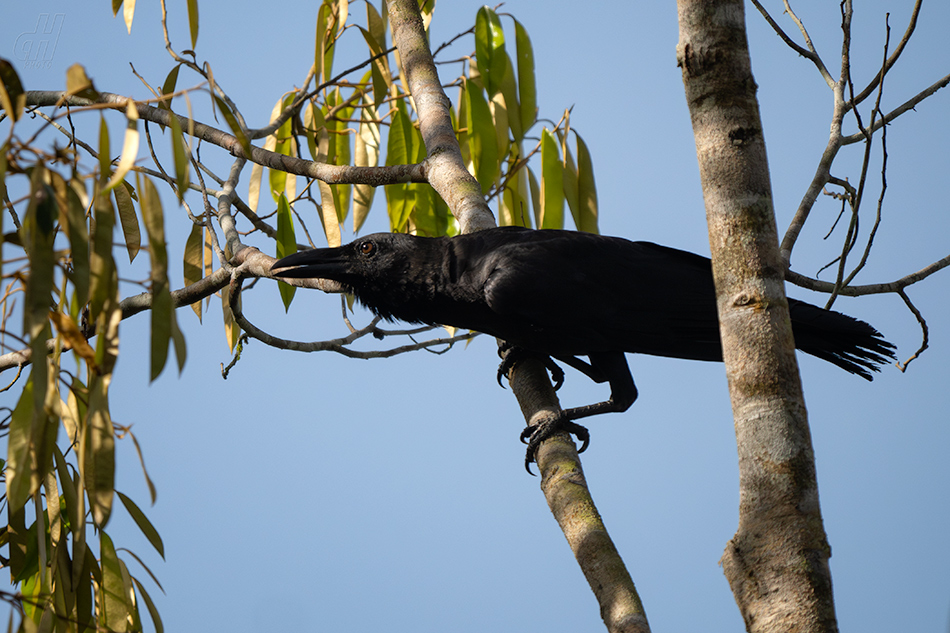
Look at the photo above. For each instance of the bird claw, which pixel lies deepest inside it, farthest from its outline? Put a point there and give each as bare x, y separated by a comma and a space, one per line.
533, 436
511, 355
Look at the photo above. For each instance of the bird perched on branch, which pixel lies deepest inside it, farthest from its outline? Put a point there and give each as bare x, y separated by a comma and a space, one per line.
562, 295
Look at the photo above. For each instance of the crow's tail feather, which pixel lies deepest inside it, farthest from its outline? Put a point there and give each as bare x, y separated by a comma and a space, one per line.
849, 343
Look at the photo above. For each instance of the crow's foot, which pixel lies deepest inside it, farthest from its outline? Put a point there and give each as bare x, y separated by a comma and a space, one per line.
534, 435
511, 355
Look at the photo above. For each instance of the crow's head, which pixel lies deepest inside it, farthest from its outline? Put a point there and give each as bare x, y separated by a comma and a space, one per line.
382, 269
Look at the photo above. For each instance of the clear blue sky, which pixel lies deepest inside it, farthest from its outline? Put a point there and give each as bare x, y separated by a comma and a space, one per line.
317, 493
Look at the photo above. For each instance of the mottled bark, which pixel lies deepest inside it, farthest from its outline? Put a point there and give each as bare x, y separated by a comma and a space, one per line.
777, 563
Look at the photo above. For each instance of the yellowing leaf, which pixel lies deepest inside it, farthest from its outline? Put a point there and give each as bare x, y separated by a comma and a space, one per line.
12, 95
79, 84
130, 148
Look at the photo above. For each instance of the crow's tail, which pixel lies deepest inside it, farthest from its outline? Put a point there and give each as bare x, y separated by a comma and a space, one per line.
850, 344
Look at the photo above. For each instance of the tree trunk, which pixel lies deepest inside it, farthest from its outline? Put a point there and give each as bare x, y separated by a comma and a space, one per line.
777, 563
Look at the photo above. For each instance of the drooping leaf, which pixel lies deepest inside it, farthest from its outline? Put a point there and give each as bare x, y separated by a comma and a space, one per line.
586, 189
509, 90
527, 89
97, 452
490, 52
552, 184
193, 22
171, 82
232, 122
286, 245
128, 220
180, 158
73, 336
192, 263
152, 610
482, 134
283, 143
79, 84
366, 155
162, 310
130, 146
12, 95
72, 217
128, 13
232, 331
18, 471
144, 524
113, 601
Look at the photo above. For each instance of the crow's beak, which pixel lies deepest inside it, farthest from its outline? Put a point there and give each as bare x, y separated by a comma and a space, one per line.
323, 263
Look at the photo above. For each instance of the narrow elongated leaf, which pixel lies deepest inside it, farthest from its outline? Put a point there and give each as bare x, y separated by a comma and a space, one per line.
569, 179
192, 263
103, 282
281, 182
232, 330
552, 184
399, 150
113, 601
144, 524
527, 89
171, 82
18, 475
97, 452
73, 336
72, 217
586, 189
482, 134
152, 610
161, 297
320, 40
509, 90
490, 52
128, 12
193, 21
128, 220
180, 157
366, 155
286, 245
130, 147
12, 95
535, 197
514, 209
233, 124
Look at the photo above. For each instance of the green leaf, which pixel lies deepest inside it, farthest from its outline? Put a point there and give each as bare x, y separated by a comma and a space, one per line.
192, 263
180, 157
144, 524
152, 610
233, 124
509, 90
490, 53
535, 197
193, 21
398, 152
171, 81
113, 602
162, 309
97, 452
552, 187
482, 134
513, 210
283, 144
586, 189
527, 90
127, 218
320, 40
286, 245
12, 95
72, 217
19, 478
367, 143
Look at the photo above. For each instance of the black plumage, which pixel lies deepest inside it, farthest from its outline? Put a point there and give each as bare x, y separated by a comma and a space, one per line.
565, 294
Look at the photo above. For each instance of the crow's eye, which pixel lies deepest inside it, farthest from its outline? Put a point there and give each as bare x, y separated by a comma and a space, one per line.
367, 248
